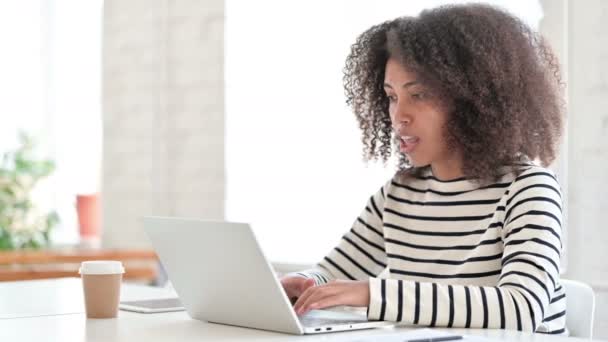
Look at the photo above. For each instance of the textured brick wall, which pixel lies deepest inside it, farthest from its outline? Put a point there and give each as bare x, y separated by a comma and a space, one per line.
163, 104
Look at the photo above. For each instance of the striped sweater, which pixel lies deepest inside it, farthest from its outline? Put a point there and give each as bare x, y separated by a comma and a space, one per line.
456, 254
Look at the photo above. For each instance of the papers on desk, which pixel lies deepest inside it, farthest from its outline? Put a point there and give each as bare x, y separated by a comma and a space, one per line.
426, 334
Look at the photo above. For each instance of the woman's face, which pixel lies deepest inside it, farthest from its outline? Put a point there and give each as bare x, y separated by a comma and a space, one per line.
417, 119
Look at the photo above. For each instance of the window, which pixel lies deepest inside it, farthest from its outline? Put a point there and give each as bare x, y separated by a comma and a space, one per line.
51, 81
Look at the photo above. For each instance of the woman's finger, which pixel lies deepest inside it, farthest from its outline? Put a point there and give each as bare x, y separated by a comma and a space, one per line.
297, 288
326, 302
306, 285
312, 302
338, 293
292, 286
311, 291
314, 294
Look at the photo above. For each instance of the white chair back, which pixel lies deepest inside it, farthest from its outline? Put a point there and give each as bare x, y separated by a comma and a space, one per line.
580, 308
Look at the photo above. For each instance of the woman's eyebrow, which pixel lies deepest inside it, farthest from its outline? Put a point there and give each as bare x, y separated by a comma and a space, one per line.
405, 85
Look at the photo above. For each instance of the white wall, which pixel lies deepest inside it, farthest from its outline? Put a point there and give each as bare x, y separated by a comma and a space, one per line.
578, 31
163, 105
588, 157
554, 27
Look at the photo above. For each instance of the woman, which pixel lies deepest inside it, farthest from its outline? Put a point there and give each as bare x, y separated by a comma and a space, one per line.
468, 231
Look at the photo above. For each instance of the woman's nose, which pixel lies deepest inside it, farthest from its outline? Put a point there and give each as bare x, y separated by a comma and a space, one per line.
401, 115
402, 120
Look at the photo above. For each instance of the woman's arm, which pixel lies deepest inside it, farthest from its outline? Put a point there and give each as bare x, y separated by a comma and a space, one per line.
360, 254
529, 275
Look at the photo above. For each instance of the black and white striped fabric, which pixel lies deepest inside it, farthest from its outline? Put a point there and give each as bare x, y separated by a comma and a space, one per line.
456, 254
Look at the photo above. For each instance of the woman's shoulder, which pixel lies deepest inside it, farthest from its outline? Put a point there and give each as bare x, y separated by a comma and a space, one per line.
516, 177
531, 173
534, 180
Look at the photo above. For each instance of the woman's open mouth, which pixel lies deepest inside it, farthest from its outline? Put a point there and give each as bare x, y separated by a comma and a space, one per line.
408, 143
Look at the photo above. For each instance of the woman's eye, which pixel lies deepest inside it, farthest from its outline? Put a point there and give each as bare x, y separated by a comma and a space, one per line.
419, 96
391, 98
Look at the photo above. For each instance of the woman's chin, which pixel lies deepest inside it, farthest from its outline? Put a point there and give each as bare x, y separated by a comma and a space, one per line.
413, 161
416, 162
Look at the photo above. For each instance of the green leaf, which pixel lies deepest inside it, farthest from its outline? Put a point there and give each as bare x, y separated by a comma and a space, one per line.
6, 242
19, 172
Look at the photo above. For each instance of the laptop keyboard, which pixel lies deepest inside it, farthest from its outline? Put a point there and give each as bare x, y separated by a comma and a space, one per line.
317, 318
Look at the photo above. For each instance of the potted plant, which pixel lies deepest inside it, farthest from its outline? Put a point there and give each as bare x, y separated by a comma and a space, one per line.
22, 224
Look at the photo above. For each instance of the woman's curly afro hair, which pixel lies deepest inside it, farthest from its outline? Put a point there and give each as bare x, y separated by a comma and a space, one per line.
500, 77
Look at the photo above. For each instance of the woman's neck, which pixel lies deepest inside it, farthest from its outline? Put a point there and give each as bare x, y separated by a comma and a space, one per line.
448, 169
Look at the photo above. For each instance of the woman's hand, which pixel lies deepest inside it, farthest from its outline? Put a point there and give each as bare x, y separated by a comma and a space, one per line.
295, 286
338, 292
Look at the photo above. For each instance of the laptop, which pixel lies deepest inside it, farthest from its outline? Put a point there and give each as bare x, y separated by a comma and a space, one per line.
156, 305
222, 276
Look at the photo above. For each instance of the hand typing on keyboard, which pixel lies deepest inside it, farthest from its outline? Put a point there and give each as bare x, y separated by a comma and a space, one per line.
338, 292
294, 286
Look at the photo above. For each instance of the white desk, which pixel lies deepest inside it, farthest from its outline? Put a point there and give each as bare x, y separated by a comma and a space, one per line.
61, 303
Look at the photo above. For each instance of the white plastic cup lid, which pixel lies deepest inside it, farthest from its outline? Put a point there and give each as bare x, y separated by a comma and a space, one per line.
101, 267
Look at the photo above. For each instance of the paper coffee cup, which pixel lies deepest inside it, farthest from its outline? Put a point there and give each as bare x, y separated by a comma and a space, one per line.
101, 281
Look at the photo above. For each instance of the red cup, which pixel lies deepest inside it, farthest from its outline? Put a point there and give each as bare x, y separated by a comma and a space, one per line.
88, 208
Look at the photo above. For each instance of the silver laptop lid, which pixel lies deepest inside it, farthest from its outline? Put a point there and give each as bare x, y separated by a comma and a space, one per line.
220, 273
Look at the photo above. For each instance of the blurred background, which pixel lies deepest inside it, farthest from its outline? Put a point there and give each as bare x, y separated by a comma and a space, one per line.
234, 109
